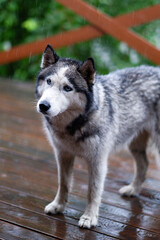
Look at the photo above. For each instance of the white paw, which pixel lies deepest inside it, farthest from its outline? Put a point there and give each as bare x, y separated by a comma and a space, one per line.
129, 191
87, 221
53, 208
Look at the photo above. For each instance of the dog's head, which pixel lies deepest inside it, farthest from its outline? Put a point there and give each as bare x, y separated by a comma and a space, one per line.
63, 84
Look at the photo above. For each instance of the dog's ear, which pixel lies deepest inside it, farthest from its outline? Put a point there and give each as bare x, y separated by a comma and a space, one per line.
49, 57
87, 70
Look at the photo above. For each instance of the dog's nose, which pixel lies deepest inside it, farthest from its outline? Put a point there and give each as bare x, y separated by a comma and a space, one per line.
44, 106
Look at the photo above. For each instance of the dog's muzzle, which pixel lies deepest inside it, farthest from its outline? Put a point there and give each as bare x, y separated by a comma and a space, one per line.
44, 106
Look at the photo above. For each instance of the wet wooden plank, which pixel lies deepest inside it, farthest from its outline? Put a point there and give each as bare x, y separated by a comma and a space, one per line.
36, 204
9, 231
55, 227
71, 216
64, 227
49, 171
40, 182
114, 185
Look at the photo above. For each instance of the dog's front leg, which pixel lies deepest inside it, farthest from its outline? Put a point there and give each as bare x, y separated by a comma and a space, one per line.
65, 166
97, 172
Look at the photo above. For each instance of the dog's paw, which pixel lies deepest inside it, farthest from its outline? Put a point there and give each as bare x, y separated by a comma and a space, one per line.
87, 221
129, 191
54, 208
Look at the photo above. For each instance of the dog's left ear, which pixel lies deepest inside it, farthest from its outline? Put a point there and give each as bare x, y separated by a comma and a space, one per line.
87, 70
49, 57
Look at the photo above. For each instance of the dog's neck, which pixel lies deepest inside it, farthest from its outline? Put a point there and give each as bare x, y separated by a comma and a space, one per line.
62, 120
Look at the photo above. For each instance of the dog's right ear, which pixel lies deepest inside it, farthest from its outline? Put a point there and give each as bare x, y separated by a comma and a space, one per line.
88, 70
49, 57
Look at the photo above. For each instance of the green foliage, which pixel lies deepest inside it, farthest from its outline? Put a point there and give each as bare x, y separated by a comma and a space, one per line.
30, 24
27, 21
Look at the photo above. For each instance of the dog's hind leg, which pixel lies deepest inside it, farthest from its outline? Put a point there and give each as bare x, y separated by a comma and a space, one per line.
138, 150
65, 166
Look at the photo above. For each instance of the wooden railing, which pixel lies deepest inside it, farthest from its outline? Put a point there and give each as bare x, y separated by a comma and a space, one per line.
100, 24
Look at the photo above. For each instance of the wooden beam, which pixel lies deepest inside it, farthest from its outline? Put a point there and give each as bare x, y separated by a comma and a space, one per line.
114, 28
78, 35
141, 16
59, 40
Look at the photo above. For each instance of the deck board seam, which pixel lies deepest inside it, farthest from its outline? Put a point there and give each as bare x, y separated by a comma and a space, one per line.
55, 218
110, 204
29, 228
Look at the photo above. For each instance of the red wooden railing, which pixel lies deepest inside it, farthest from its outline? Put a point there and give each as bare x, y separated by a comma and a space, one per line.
101, 24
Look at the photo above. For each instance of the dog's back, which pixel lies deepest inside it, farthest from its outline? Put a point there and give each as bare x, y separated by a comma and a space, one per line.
134, 97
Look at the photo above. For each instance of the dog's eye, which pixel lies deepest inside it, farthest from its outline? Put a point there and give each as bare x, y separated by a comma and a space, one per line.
49, 81
67, 88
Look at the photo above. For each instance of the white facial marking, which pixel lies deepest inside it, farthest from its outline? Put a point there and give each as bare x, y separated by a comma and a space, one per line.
61, 72
59, 103
54, 94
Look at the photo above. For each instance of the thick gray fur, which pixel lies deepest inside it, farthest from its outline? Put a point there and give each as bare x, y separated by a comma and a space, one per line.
116, 110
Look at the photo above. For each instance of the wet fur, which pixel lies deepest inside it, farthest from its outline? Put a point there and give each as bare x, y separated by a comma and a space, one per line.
104, 114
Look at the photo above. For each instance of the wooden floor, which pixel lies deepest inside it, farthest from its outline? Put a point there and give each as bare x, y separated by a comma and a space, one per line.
28, 181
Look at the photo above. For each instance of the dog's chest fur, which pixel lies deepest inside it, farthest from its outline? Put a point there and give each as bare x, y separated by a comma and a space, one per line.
77, 143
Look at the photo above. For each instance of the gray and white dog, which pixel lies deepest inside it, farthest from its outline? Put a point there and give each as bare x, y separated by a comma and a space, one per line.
88, 115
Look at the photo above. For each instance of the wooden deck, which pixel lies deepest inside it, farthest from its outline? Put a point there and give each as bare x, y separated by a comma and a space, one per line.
28, 181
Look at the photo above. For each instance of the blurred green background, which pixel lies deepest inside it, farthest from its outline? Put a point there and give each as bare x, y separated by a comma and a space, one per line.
27, 21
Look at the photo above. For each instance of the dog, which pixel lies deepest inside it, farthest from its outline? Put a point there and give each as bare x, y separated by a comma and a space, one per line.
89, 115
